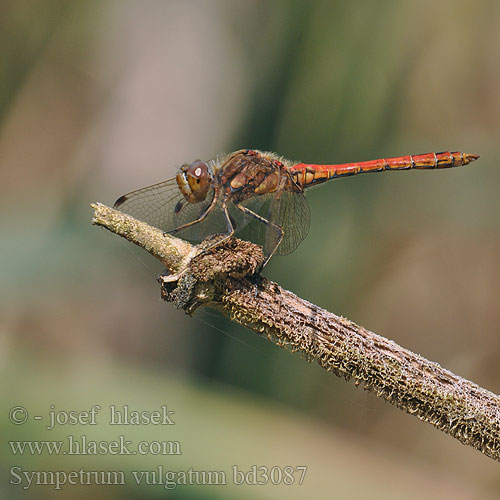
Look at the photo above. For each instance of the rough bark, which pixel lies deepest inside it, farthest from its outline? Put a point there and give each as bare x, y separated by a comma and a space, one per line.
219, 279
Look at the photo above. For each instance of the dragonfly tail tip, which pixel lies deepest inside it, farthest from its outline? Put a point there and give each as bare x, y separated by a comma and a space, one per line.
471, 157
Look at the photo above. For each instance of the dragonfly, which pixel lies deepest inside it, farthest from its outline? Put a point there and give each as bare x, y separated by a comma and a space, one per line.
255, 194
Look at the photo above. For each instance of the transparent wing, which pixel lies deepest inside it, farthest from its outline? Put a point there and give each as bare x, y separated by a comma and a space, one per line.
153, 204
163, 206
214, 222
246, 226
289, 210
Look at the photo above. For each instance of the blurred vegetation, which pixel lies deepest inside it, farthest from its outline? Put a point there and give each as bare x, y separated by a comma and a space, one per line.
99, 98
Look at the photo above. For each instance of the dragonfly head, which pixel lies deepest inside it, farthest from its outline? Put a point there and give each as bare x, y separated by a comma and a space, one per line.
194, 181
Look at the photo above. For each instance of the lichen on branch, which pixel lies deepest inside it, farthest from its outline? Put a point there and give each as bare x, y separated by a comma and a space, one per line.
224, 278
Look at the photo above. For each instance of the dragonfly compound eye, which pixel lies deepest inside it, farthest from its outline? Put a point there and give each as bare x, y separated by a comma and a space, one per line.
194, 181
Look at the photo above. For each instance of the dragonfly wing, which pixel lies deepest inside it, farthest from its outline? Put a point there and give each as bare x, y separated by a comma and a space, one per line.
213, 223
163, 206
154, 204
248, 227
289, 210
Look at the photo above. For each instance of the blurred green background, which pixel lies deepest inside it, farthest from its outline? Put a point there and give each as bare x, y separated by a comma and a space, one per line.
102, 97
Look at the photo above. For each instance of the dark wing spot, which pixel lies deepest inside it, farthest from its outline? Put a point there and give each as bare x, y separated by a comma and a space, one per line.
178, 206
120, 201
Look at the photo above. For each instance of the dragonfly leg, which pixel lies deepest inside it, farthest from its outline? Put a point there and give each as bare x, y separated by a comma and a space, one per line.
267, 222
202, 216
230, 230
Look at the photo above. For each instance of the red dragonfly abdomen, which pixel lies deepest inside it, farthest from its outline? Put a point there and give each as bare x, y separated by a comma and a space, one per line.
309, 174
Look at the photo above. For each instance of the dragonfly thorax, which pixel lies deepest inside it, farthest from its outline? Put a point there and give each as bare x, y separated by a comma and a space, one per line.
194, 181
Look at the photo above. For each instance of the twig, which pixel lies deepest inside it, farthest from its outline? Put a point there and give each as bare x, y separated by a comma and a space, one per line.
423, 388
